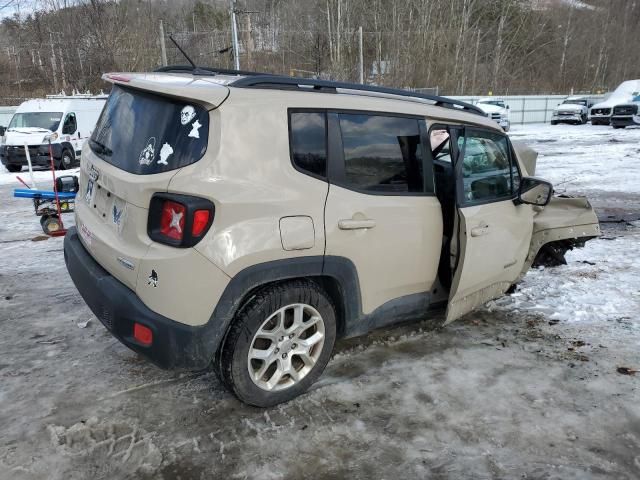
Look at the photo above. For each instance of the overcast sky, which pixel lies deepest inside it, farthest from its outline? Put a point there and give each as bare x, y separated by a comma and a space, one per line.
9, 8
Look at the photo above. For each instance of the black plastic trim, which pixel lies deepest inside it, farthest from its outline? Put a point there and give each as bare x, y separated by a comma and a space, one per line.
281, 82
175, 345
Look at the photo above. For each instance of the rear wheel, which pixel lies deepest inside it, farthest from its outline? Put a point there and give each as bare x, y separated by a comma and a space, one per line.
66, 160
618, 126
279, 343
553, 122
13, 168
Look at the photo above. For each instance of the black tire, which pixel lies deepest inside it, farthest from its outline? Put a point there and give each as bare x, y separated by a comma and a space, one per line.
583, 119
13, 168
553, 123
50, 224
233, 358
618, 126
67, 159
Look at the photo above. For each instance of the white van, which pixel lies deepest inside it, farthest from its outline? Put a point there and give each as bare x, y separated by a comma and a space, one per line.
66, 120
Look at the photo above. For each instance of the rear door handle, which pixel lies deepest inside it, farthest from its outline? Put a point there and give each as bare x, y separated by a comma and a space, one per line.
356, 224
480, 230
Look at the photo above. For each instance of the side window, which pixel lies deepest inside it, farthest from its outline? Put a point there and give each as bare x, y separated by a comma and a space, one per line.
70, 125
440, 144
487, 171
308, 141
382, 153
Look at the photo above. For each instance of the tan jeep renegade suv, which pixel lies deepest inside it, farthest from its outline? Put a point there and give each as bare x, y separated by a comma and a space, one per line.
247, 221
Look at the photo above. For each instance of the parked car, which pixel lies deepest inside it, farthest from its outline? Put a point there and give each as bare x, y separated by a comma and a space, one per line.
247, 221
496, 110
572, 110
601, 112
627, 114
66, 121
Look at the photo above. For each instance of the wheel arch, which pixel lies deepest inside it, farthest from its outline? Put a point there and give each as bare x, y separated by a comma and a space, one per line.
336, 275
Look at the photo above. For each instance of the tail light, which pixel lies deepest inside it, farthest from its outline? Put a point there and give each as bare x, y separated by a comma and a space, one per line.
179, 220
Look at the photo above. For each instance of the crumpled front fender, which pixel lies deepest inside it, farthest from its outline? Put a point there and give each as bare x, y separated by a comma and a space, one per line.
564, 218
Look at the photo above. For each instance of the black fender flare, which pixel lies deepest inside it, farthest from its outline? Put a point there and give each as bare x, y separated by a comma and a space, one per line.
239, 289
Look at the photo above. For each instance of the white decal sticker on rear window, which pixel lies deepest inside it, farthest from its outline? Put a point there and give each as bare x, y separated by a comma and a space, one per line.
195, 127
165, 152
147, 154
187, 114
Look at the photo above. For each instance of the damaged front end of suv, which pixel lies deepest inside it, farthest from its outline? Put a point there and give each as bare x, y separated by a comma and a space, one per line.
565, 223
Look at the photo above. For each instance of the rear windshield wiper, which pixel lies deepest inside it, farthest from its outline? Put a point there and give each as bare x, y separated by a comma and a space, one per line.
100, 148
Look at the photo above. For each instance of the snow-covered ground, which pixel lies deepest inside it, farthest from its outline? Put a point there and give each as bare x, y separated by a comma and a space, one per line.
526, 387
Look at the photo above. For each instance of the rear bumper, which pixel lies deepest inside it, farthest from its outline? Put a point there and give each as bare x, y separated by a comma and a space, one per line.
15, 154
625, 121
175, 345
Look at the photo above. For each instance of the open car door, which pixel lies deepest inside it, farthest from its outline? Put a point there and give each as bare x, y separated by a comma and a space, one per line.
491, 233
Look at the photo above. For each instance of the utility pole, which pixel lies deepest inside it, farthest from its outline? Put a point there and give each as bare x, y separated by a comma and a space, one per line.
163, 47
361, 55
234, 33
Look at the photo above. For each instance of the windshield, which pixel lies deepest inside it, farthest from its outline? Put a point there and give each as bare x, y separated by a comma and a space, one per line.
144, 133
575, 102
497, 103
42, 120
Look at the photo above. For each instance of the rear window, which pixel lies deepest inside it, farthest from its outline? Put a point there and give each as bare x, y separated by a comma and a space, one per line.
144, 133
309, 142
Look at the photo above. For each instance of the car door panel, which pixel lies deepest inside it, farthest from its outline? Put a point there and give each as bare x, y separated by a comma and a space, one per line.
490, 261
393, 241
380, 211
493, 232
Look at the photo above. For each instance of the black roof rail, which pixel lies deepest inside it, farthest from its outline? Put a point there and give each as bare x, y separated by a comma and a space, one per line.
204, 70
281, 82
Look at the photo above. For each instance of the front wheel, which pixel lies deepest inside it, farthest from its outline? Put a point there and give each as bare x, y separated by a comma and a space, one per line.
279, 343
13, 168
553, 122
583, 119
618, 126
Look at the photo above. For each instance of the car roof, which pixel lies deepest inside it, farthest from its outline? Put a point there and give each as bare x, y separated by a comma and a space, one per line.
174, 79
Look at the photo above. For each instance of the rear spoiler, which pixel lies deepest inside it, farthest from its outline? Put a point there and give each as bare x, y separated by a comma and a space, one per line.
204, 90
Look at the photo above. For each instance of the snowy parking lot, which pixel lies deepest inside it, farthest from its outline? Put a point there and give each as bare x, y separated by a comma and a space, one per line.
532, 386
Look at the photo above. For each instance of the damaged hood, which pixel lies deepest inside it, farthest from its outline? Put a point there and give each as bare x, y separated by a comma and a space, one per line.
528, 157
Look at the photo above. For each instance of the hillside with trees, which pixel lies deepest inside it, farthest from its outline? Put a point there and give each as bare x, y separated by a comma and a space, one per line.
462, 47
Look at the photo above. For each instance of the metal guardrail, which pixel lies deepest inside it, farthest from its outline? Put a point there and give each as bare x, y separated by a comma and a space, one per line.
529, 108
